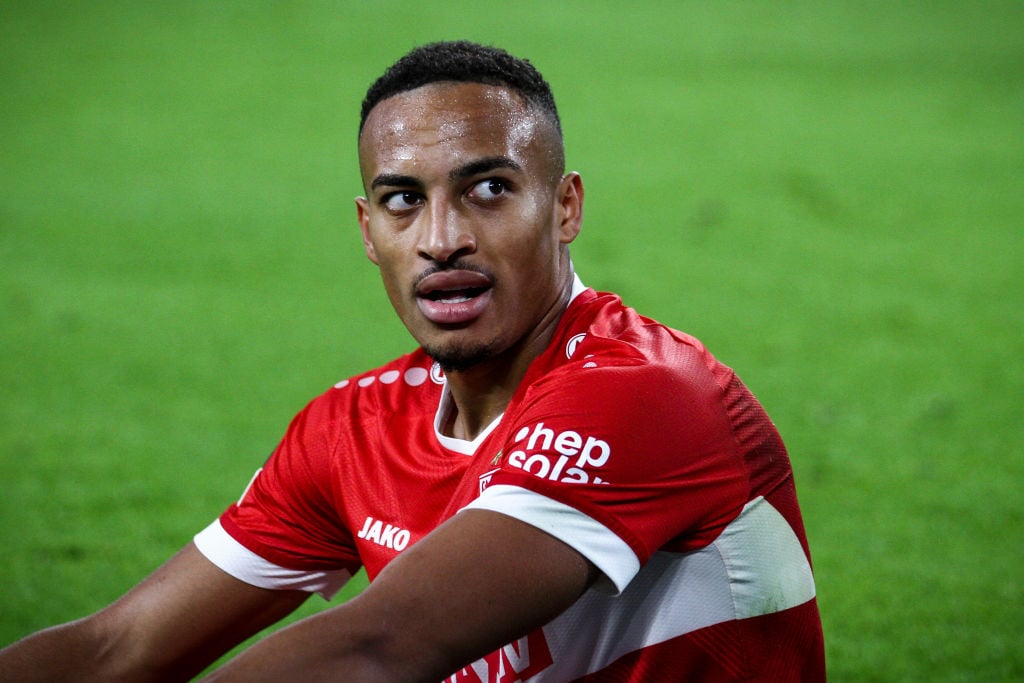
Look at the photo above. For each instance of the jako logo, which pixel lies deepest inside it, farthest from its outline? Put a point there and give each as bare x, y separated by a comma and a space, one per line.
385, 535
575, 454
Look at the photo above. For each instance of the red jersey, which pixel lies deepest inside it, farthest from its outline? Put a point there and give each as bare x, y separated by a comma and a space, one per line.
627, 440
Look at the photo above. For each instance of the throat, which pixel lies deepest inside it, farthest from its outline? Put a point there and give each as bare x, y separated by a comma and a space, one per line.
457, 426
473, 404
452, 424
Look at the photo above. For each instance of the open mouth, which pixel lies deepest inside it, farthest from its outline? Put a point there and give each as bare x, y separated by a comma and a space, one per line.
453, 297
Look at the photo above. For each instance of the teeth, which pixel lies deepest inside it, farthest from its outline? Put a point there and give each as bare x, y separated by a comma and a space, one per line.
454, 296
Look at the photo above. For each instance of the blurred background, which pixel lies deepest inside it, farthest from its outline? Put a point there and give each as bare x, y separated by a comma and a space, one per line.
830, 195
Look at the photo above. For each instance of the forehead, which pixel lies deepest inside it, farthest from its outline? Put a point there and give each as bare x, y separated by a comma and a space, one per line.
449, 124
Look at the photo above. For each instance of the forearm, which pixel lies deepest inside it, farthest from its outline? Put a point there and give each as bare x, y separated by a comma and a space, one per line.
68, 652
343, 643
169, 627
100, 648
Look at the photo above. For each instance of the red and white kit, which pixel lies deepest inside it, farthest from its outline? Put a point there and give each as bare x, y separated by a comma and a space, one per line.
626, 439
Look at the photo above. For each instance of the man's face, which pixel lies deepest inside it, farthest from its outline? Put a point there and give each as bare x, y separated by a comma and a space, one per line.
467, 215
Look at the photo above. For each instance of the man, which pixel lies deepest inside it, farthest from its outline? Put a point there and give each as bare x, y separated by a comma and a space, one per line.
551, 488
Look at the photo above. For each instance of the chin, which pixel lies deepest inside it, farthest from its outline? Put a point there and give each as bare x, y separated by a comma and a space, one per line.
460, 358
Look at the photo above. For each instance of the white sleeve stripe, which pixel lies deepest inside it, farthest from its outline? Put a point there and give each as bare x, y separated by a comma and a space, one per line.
231, 556
609, 553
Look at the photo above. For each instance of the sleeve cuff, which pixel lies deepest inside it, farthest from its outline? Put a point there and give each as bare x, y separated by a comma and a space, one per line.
218, 546
596, 542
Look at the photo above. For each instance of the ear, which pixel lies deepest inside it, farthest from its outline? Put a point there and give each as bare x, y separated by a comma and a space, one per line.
363, 216
570, 207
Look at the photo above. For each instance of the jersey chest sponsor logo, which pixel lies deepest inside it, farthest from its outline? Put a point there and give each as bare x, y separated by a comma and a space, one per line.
386, 535
568, 456
517, 661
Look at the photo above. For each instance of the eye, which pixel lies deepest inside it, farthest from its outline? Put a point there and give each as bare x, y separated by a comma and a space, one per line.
397, 202
491, 188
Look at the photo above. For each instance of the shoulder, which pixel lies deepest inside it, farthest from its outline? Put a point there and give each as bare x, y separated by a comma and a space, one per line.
625, 380
606, 343
407, 384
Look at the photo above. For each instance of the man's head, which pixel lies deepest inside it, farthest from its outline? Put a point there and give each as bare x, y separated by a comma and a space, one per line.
462, 62
467, 211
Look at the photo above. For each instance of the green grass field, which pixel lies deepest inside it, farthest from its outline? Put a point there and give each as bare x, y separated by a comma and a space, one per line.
830, 195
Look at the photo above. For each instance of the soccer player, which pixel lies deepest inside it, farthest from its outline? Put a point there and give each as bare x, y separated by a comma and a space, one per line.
552, 487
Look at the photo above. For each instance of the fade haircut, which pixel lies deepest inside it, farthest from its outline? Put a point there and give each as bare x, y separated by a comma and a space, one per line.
465, 62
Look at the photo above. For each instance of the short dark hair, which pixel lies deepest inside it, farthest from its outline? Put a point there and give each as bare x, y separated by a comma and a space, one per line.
466, 62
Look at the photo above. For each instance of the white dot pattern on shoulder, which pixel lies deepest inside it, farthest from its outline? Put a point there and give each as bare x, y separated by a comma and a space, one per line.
413, 377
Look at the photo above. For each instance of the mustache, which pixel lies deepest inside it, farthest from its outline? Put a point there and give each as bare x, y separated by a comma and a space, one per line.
457, 264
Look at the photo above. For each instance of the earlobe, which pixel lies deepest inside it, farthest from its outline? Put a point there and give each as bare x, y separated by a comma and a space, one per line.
363, 217
570, 193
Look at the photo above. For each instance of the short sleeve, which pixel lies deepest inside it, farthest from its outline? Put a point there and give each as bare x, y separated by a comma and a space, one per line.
231, 556
288, 515
646, 450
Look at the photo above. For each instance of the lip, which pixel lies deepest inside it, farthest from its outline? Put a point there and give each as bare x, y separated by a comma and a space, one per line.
453, 297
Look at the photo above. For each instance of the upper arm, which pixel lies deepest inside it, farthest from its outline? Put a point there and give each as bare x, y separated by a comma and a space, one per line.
477, 582
483, 580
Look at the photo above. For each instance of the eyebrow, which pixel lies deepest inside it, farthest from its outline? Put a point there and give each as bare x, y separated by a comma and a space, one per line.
395, 180
468, 170
483, 166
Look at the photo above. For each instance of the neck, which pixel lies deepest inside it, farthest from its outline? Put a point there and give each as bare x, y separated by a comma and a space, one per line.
481, 393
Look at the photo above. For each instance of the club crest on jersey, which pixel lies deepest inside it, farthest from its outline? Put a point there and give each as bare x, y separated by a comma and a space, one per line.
485, 478
568, 457
436, 373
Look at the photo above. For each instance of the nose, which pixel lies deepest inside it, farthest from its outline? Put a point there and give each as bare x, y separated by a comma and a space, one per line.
444, 235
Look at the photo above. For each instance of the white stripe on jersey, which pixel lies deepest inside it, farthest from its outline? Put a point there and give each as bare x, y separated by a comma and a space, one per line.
234, 558
755, 567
